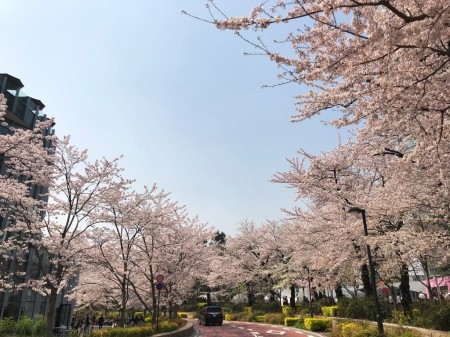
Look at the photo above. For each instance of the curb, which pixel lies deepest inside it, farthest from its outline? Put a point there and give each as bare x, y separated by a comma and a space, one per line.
187, 331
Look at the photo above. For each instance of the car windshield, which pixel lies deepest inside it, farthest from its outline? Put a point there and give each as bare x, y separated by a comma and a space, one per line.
214, 309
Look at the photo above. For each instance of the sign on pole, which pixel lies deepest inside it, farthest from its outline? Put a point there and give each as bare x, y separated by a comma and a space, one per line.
159, 278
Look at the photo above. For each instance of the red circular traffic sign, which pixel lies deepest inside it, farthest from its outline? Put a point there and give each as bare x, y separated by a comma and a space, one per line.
159, 278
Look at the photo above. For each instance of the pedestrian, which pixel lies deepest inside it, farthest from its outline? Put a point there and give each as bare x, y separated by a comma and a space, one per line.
79, 325
100, 321
399, 299
87, 325
391, 300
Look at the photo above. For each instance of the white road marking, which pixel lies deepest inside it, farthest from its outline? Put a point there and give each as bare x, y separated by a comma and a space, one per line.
276, 332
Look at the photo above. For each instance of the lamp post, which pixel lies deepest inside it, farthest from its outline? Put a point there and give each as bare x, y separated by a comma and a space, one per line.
372, 271
309, 292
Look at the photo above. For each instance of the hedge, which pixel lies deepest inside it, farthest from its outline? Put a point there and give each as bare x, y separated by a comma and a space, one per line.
247, 310
369, 330
287, 310
274, 318
124, 332
231, 317
260, 318
24, 327
182, 315
317, 324
329, 311
292, 321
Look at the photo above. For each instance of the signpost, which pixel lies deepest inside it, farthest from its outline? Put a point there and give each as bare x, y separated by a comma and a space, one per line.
159, 286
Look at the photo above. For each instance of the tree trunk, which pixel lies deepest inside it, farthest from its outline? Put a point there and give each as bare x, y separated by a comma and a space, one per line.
172, 315
338, 291
292, 299
250, 295
366, 280
272, 296
404, 289
154, 299
427, 277
123, 305
51, 313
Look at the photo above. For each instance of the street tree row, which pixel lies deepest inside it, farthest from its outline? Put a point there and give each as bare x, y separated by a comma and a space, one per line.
72, 219
380, 69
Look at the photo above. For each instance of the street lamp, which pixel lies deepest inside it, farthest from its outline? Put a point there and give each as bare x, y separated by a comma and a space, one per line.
309, 291
372, 271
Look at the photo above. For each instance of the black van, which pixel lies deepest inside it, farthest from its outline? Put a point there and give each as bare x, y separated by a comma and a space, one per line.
210, 314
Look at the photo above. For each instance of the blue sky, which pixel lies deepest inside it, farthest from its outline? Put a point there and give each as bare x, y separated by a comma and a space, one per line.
173, 95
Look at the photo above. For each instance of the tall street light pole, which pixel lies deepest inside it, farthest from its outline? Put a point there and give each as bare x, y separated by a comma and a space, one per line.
309, 291
372, 271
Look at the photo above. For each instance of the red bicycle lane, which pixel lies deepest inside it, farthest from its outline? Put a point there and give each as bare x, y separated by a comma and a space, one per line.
249, 329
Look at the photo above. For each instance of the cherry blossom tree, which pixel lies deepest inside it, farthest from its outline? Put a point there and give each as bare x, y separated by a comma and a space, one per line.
186, 258
76, 189
249, 259
359, 174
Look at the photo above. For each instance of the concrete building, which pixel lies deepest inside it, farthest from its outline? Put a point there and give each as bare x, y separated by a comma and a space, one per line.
23, 112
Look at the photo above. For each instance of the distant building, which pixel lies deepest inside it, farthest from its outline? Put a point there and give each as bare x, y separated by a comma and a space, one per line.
23, 112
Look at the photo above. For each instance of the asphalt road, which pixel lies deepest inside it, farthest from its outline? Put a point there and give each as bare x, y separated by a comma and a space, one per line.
249, 329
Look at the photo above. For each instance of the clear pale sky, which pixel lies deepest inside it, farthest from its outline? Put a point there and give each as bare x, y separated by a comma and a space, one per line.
173, 95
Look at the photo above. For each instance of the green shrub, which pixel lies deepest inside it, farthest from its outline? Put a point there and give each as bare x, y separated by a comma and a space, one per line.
400, 332
300, 324
247, 310
317, 324
112, 315
148, 319
7, 326
24, 327
260, 318
124, 332
329, 311
347, 329
245, 317
399, 317
370, 330
292, 321
357, 330
182, 315
267, 307
360, 308
39, 326
201, 305
425, 314
286, 310
304, 308
277, 318
167, 326
231, 317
